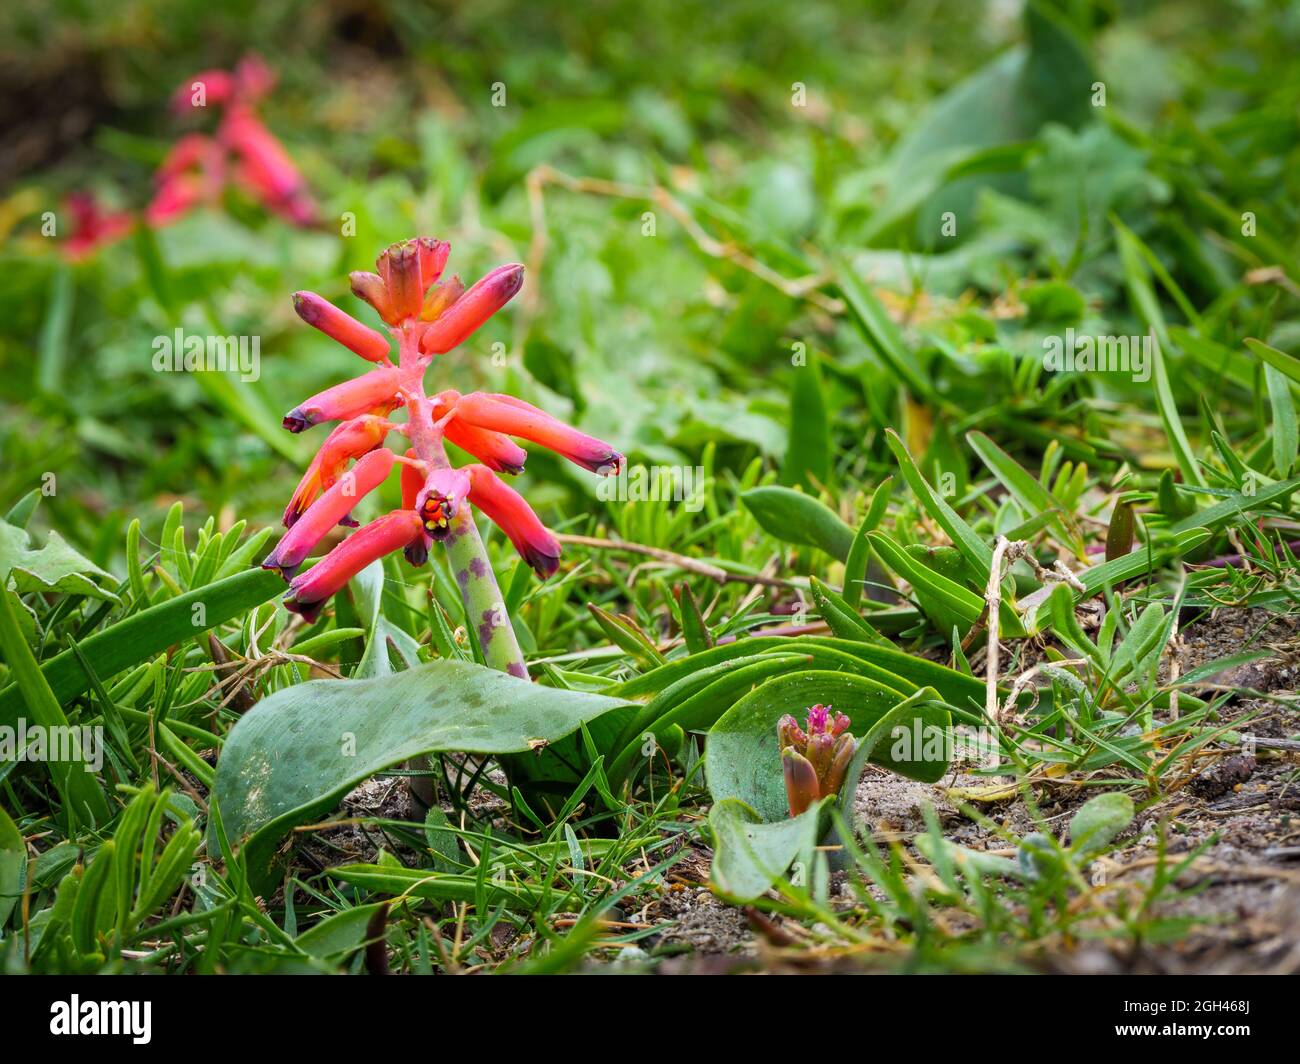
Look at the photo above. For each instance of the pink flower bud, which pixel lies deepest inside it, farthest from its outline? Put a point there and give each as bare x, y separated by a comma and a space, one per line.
321, 313
801, 789
371, 288
399, 266
458, 322
514, 417
494, 449
330, 509
373, 392
309, 591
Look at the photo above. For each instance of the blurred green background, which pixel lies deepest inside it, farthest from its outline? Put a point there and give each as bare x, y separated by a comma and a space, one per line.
803, 137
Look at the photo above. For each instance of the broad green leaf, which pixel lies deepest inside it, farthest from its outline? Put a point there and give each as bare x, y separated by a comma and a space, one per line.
53, 567
1098, 821
751, 855
793, 517
295, 754
1009, 99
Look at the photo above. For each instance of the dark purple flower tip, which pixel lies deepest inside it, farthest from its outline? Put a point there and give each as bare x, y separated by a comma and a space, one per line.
543, 563
296, 421
308, 611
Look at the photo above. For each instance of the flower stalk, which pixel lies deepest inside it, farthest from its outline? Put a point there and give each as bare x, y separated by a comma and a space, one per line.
426, 317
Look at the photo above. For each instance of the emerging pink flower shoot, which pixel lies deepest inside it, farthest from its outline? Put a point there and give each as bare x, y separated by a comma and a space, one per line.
426, 317
814, 761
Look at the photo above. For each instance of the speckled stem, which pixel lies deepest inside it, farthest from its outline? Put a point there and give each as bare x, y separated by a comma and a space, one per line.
484, 606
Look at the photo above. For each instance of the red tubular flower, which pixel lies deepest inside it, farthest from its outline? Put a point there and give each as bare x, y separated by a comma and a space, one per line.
349, 440
190, 174
92, 226
505, 413
374, 392
218, 88
507, 509
331, 509
458, 322
412, 482
309, 591
265, 168
814, 762
337, 325
495, 450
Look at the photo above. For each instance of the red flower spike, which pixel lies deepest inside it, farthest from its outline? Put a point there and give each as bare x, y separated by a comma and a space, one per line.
309, 591
253, 78
514, 417
92, 226
337, 325
373, 392
458, 322
429, 316
330, 509
494, 449
507, 509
